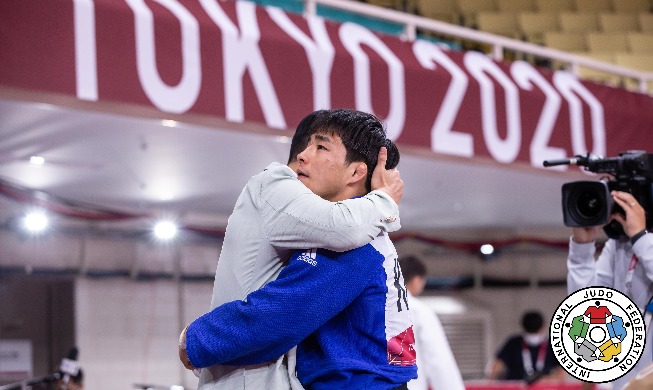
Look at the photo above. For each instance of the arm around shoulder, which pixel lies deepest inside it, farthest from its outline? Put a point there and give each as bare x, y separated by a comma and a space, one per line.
279, 315
294, 217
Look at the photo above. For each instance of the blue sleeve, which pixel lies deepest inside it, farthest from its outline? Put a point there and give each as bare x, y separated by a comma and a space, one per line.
312, 289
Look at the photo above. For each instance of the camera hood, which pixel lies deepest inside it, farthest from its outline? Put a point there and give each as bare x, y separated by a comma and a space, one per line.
586, 203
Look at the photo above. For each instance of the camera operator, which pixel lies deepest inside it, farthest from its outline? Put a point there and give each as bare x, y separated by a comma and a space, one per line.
625, 263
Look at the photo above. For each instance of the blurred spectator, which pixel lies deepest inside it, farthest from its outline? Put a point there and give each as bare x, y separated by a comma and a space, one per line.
527, 356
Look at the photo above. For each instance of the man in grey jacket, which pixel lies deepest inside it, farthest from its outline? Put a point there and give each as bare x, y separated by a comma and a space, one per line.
275, 215
625, 264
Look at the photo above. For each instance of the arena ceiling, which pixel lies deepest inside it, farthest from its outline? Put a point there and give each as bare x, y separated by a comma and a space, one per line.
151, 168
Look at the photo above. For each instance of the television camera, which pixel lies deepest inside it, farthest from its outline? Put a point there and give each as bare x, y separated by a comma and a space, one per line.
589, 203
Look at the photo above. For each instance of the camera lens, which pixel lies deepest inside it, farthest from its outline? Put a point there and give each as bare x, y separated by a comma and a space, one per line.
589, 204
586, 203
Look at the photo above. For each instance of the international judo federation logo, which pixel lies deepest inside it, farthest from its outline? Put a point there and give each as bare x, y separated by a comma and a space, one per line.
597, 334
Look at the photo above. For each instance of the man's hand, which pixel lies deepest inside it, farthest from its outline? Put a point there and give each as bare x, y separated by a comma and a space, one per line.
583, 235
183, 356
387, 180
635, 220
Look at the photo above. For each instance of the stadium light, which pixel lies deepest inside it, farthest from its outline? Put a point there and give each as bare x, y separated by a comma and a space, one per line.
487, 249
35, 222
487, 252
165, 230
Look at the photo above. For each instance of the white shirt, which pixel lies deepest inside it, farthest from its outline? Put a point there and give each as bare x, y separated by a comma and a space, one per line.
436, 365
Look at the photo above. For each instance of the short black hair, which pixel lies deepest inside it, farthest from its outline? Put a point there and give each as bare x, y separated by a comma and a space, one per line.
302, 136
532, 321
411, 267
362, 135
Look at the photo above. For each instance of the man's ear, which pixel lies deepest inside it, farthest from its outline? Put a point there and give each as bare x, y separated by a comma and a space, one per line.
359, 172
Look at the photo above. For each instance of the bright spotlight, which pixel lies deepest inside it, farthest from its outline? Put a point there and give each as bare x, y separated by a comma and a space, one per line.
35, 222
165, 230
487, 249
37, 160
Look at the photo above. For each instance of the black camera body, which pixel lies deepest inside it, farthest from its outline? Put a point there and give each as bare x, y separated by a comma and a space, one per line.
589, 203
